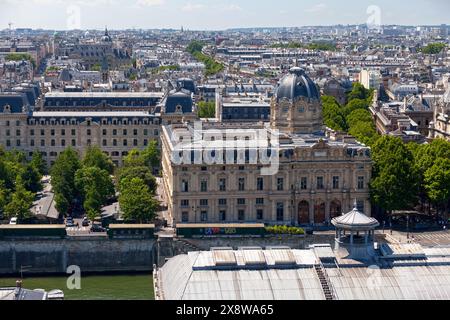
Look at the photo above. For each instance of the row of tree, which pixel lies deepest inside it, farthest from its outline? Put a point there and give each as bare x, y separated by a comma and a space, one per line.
405, 176
20, 180
212, 67
355, 117
93, 181
409, 175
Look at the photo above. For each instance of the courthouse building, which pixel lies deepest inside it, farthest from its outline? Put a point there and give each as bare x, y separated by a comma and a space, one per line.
318, 177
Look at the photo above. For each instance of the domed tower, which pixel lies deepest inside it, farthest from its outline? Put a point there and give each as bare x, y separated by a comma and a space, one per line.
296, 107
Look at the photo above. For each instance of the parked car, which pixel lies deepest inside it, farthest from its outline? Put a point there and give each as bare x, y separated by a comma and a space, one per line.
85, 222
97, 228
70, 223
13, 220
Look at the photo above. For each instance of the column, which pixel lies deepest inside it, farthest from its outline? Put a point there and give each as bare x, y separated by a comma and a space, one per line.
351, 237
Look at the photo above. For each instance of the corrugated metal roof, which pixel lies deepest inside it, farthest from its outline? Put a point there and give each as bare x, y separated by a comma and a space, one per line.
196, 277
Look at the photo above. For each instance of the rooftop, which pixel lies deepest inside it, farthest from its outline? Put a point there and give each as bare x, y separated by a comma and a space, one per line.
288, 274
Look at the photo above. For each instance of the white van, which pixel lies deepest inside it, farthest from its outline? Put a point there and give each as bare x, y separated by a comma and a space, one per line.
13, 220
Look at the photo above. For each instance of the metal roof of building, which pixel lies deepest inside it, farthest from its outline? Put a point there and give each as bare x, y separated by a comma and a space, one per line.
286, 274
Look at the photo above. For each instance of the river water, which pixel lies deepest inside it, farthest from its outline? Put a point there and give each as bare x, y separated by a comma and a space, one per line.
104, 287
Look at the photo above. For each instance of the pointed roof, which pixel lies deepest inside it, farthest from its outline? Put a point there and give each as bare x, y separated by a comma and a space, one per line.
355, 220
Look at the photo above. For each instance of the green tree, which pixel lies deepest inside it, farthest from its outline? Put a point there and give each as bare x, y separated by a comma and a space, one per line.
358, 92
333, 115
355, 104
4, 196
38, 162
94, 157
433, 48
20, 204
358, 115
141, 172
134, 159
136, 201
437, 183
394, 183
96, 187
152, 155
63, 179
31, 178
364, 132
206, 109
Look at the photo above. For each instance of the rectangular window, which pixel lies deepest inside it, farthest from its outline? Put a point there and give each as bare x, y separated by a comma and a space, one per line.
74, 132
135, 142
63, 132
204, 186
8, 133
18, 133
185, 217
185, 203
125, 132
280, 184
222, 202
361, 183
304, 183
260, 184
42, 143
145, 132
241, 202
18, 143
32, 132
335, 182
260, 214
32, 143
42, 132
241, 184
184, 186
222, 185
204, 216
74, 143
52, 132
8, 143
259, 201
241, 215
320, 185
280, 211
63, 143
135, 132
222, 215
204, 202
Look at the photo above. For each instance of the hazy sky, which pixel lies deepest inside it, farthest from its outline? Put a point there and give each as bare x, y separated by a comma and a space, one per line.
215, 14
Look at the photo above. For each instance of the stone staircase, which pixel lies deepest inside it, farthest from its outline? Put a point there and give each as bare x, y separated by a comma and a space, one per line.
324, 282
184, 246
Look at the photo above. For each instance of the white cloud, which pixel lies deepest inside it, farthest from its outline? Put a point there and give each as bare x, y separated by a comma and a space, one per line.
191, 7
317, 8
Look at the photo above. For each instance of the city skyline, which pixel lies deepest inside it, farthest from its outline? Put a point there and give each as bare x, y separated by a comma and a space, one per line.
215, 14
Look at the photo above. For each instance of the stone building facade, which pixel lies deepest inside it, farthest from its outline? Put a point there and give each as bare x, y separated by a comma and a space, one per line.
318, 176
50, 133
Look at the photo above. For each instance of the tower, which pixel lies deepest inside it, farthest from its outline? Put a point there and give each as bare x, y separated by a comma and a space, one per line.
105, 70
296, 107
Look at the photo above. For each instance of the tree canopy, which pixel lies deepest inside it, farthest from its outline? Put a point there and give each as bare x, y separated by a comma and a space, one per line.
63, 179
136, 201
392, 160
